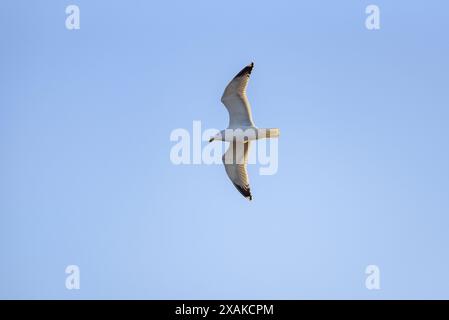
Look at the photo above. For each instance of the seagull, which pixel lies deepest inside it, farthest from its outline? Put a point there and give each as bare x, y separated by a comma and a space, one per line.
240, 132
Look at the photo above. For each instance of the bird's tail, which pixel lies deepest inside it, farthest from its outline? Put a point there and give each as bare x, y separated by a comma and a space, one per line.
268, 133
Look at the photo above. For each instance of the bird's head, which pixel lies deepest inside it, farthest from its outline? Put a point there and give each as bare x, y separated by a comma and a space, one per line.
217, 137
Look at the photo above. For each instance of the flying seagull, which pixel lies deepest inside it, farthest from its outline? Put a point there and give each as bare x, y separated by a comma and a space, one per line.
240, 132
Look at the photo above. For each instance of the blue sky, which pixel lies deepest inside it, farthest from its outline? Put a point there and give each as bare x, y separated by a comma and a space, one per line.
86, 178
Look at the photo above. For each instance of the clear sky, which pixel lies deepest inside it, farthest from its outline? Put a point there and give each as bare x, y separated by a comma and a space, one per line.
86, 177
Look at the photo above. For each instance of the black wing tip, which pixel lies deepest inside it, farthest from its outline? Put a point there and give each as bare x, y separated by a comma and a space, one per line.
246, 192
245, 71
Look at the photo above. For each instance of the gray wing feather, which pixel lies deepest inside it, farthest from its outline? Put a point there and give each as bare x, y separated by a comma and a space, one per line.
235, 100
235, 161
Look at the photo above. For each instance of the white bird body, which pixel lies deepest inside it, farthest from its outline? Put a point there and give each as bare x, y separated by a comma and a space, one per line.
240, 132
246, 134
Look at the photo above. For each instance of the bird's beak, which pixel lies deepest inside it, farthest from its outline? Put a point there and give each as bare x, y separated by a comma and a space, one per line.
211, 139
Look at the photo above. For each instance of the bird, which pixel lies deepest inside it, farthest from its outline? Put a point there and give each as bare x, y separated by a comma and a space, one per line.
240, 131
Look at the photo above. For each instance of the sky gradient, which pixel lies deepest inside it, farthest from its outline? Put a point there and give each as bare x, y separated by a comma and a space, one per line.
86, 177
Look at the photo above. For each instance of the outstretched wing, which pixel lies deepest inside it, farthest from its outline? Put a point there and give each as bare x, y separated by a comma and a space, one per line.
235, 160
235, 100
